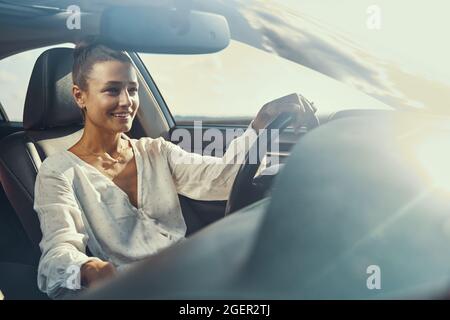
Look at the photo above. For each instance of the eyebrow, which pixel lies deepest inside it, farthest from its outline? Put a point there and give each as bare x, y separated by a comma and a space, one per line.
120, 83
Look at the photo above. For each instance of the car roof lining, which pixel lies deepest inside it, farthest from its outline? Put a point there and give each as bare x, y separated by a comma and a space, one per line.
27, 24
20, 34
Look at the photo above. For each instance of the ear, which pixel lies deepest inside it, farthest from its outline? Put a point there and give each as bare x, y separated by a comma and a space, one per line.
79, 96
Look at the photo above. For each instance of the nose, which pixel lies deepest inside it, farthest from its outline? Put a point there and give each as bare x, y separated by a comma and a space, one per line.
125, 99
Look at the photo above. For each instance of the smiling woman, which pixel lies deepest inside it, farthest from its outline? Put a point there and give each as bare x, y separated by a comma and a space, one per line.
103, 96
119, 196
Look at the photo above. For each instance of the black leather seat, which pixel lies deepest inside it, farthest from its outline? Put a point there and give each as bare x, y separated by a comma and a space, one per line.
51, 122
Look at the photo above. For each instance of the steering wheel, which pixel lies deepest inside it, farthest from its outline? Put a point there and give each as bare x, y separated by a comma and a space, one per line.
243, 190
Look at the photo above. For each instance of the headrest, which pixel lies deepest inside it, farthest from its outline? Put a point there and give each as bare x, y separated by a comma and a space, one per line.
49, 102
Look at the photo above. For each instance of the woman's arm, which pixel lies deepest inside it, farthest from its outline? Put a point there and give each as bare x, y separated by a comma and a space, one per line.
64, 238
205, 177
210, 178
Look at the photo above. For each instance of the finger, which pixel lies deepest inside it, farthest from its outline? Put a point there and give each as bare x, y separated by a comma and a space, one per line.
298, 111
308, 114
293, 108
302, 113
301, 104
290, 98
308, 106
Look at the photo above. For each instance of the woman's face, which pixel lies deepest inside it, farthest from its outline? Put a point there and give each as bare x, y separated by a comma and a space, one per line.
111, 98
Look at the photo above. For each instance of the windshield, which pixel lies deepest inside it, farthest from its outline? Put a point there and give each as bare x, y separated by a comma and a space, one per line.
342, 55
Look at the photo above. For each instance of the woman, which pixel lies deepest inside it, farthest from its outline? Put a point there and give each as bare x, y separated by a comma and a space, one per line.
119, 196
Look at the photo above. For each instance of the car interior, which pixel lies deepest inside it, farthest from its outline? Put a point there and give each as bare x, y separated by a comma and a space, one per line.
51, 123
377, 209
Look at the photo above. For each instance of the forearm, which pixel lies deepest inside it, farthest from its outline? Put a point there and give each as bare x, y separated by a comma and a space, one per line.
205, 177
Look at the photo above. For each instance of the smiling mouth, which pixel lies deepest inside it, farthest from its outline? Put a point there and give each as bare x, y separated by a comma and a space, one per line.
121, 115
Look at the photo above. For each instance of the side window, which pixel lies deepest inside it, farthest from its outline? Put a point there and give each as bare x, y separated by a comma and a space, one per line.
15, 72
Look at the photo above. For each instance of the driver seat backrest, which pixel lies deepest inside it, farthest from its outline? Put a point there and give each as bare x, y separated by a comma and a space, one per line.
52, 122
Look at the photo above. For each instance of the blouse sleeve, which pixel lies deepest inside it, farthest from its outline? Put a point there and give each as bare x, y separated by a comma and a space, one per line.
205, 177
64, 238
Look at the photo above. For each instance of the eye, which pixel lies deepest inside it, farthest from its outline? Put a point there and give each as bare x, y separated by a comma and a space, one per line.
112, 91
132, 90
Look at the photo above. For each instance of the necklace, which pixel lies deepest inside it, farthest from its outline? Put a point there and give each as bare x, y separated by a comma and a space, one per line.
106, 155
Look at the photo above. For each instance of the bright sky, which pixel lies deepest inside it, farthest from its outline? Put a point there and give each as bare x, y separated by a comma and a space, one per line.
239, 80
412, 33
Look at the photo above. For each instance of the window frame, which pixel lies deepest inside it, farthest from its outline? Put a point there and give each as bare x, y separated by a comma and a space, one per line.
153, 88
3, 115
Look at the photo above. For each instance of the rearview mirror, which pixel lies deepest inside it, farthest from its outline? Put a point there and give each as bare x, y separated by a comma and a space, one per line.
163, 30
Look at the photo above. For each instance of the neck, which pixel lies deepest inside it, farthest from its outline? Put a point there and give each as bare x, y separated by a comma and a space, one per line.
97, 140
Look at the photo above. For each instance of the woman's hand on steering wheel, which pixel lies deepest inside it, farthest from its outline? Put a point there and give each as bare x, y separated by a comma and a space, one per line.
275, 115
301, 110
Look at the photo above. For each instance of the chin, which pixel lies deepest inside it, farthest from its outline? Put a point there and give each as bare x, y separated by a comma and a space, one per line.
128, 128
119, 128
122, 129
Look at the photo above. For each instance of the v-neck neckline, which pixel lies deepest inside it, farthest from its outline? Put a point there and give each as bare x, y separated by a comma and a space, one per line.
138, 175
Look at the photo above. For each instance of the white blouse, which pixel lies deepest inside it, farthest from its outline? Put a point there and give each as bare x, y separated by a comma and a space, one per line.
78, 206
